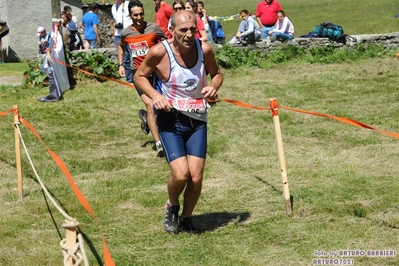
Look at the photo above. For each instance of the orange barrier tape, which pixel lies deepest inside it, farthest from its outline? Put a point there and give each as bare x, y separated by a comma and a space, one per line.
242, 104
344, 120
107, 256
274, 105
94, 75
8, 112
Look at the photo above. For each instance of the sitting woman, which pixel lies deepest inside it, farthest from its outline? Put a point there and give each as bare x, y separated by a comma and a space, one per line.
284, 29
248, 30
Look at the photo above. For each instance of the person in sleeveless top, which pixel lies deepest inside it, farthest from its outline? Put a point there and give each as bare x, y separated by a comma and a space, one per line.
180, 66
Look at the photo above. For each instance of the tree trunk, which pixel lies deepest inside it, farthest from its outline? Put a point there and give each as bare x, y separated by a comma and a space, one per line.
56, 8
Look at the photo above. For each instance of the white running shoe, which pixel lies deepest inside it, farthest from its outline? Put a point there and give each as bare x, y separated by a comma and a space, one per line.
233, 40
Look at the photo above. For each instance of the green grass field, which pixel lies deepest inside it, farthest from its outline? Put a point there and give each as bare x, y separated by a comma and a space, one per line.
355, 16
342, 179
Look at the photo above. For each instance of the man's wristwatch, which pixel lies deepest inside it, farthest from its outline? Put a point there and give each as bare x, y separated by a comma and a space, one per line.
120, 65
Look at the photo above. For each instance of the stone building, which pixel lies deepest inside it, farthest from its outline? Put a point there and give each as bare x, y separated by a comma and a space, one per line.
23, 17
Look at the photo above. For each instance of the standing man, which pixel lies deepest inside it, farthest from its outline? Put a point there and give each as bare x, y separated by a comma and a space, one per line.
266, 14
90, 24
180, 66
139, 37
121, 19
163, 13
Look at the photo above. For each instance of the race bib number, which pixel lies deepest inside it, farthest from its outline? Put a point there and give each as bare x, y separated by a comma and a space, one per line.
139, 48
192, 105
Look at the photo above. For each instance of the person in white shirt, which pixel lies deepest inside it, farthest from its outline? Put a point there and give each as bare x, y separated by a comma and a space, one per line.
284, 29
122, 20
120, 14
248, 31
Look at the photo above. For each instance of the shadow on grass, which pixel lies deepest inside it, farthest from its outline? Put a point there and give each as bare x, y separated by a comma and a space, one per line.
149, 142
86, 239
211, 221
277, 190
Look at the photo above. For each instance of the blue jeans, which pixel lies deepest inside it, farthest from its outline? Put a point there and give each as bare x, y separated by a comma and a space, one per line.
265, 31
93, 44
126, 60
117, 39
126, 64
284, 36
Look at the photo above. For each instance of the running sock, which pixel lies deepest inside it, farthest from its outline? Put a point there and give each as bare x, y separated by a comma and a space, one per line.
171, 204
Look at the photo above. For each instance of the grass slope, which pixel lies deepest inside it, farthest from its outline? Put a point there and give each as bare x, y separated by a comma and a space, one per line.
355, 16
342, 178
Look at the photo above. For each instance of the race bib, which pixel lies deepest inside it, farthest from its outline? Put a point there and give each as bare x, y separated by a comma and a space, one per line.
139, 48
192, 105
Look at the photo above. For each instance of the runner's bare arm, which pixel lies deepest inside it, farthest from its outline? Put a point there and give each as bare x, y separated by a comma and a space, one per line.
150, 65
121, 54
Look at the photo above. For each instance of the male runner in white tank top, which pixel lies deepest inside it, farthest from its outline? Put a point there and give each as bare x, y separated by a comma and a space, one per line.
180, 65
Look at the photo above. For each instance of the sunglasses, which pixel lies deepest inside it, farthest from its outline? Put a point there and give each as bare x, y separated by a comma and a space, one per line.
179, 8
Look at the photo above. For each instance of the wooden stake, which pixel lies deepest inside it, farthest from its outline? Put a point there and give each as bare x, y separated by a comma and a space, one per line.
18, 153
279, 141
70, 226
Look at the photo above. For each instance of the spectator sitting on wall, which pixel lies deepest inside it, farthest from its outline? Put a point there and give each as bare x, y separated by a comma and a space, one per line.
284, 29
248, 30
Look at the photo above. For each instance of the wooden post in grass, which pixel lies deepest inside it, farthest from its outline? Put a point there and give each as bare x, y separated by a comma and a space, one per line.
69, 243
17, 152
279, 140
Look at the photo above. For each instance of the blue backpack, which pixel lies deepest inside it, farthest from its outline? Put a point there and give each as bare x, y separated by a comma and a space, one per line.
329, 30
217, 31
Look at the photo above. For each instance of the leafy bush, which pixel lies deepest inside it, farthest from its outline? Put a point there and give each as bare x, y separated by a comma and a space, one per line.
34, 76
94, 62
230, 57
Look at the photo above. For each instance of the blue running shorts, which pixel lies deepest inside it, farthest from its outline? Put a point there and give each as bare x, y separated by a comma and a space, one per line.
183, 136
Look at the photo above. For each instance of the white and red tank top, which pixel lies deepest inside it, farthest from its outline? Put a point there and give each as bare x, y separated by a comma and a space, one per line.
184, 85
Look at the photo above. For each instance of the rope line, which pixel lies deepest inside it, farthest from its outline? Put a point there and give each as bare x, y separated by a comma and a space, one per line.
68, 252
39, 179
108, 261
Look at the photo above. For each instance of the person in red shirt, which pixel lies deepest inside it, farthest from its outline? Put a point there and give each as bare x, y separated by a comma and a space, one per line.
200, 32
266, 14
163, 12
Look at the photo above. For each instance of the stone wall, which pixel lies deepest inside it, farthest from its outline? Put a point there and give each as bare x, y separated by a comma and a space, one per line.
23, 17
388, 40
